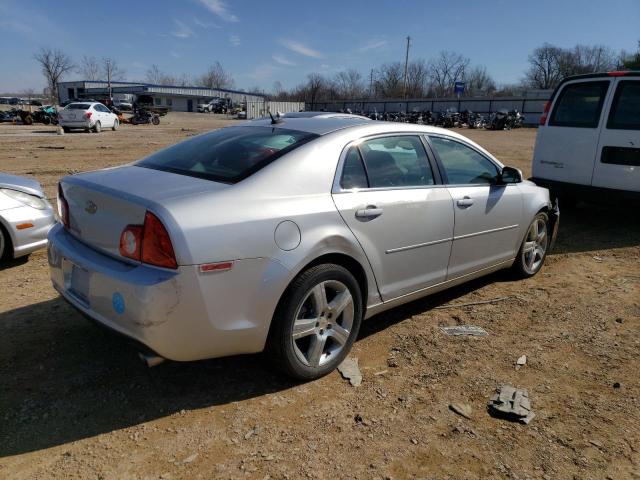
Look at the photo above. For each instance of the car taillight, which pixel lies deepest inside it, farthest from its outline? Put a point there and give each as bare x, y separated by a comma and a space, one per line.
545, 113
131, 242
156, 244
88, 115
63, 207
149, 243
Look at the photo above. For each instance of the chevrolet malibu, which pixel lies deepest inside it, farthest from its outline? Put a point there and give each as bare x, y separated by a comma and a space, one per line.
283, 235
25, 216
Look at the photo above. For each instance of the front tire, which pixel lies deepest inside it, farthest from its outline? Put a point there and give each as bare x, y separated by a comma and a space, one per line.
5, 245
533, 250
155, 120
116, 124
316, 322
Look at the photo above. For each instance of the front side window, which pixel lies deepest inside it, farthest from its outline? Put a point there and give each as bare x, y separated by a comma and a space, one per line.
396, 162
228, 154
625, 110
462, 164
579, 105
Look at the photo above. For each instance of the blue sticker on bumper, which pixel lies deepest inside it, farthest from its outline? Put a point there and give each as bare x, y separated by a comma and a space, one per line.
117, 300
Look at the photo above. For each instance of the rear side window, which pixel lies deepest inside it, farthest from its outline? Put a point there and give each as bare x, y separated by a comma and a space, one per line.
353, 172
227, 155
579, 105
396, 162
625, 109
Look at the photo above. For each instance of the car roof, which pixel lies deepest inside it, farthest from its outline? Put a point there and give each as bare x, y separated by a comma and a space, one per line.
319, 123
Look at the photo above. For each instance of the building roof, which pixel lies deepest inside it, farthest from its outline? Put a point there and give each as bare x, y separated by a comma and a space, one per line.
152, 87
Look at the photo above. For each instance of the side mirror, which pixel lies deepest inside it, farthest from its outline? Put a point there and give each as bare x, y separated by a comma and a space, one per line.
510, 175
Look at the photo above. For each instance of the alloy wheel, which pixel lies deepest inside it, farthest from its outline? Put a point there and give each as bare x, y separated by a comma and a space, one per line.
535, 245
323, 323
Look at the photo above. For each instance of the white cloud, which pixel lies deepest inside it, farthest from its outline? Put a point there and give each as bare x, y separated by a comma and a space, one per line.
300, 48
219, 8
174, 54
202, 24
262, 72
235, 41
373, 45
182, 30
283, 61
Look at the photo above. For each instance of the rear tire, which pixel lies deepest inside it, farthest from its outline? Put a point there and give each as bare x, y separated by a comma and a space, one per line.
316, 322
534, 248
66, 129
97, 128
5, 245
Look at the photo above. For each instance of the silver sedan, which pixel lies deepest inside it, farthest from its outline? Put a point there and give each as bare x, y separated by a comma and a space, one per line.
283, 235
25, 216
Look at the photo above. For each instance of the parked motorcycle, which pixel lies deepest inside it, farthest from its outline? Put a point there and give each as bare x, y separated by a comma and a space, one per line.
47, 115
500, 120
142, 117
517, 119
476, 120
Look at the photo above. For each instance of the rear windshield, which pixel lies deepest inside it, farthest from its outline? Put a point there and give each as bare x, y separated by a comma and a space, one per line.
78, 106
229, 154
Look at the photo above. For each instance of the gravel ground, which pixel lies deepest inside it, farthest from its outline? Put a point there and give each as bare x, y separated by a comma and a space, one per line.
76, 403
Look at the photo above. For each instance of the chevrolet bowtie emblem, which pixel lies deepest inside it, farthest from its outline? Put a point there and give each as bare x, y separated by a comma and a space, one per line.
91, 207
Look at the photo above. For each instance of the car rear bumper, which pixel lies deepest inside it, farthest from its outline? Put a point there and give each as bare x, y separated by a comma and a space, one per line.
28, 228
180, 314
76, 123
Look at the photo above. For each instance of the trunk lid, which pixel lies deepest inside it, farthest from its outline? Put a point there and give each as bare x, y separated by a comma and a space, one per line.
103, 203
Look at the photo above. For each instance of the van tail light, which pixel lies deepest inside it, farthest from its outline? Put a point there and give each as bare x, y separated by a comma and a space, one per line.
149, 243
545, 113
63, 207
619, 73
88, 115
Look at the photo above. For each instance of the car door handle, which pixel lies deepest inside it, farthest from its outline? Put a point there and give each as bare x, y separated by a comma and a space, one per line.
370, 212
465, 202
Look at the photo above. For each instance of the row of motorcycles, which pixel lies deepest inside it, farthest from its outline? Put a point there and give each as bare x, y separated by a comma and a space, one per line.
47, 115
450, 118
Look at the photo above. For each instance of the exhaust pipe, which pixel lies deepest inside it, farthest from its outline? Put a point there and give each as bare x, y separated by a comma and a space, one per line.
150, 360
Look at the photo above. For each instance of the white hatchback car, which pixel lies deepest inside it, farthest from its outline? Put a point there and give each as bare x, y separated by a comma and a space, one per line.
589, 138
88, 116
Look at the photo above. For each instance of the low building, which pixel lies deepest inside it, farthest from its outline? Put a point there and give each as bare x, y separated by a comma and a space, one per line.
179, 99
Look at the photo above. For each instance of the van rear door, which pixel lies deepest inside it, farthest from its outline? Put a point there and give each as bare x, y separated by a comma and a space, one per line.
566, 145
617, 163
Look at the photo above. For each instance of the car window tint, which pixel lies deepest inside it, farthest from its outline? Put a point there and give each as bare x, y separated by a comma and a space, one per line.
78, 106
462, 164
579, 105
353, 173
396, 162
228, 154
625, 110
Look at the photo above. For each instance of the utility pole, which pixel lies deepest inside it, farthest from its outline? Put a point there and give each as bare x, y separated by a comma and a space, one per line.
371, 84
406, 69
109, 77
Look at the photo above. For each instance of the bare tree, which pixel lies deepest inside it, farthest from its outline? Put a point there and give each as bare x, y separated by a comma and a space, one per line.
154, 75
316, 83
545, 67
592, 59
479, 82
631, 62
447, 69
389, 80
417, 79
54, 64
216, 77
111, 71
89, 68
349, 84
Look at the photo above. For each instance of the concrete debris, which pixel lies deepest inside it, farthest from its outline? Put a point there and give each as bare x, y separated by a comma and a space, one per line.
462, 409
468, 330
190, 458
512, 404
521, 362
350, 371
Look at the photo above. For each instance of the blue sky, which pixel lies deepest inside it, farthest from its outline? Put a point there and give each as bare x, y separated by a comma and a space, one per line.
263, 41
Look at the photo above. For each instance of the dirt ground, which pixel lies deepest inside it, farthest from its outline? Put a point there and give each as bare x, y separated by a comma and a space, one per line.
75, 402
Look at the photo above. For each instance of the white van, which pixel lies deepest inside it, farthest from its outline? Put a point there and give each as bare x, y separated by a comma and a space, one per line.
589, 137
